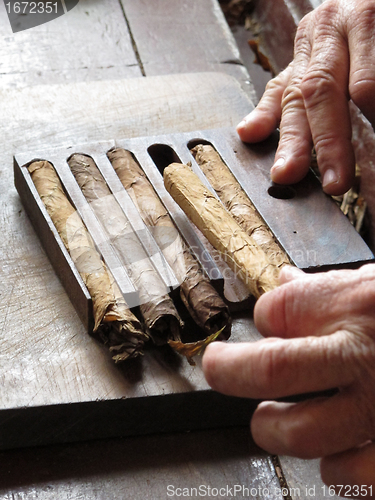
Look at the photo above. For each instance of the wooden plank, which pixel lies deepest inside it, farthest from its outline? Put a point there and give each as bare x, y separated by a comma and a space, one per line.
181, 37
303, 478
91, 42
141, 468
87, 111
46, 357
310, 247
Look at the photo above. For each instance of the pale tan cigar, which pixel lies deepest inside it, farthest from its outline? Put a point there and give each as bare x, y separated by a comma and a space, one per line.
238, 249
237, 202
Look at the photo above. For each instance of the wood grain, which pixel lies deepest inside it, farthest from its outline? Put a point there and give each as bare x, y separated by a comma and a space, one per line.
182, 37
303, 477
91, 42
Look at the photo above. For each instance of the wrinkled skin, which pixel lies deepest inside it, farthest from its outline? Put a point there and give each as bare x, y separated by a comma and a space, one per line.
334, 61
319, 329
320, 334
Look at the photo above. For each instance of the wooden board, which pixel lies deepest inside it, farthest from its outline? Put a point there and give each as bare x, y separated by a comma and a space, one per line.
91, 42
46, 357
163, 30
140, 468
307, 225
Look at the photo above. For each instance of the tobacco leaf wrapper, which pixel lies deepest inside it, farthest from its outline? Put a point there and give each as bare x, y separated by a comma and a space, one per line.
238, 249
115, 324
237, 202
202, 301
160, 316
191, 349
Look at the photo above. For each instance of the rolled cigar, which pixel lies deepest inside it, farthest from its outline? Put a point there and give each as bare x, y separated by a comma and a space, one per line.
238, 203
238, 249
202, 301
160, 316
114, 323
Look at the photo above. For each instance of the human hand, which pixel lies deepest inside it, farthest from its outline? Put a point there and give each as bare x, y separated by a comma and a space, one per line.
334, 61
321, 330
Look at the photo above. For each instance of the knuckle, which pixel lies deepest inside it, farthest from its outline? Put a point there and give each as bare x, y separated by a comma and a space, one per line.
278, 361
324, 142
363, 16
273, 85
272, 362
302, 29
277, 83
292, 96
326, 13
317, 85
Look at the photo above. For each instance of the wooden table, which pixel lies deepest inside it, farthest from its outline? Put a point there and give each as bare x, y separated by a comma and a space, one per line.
104, 70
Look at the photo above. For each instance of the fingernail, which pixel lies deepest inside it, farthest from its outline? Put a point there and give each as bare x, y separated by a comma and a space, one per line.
245, 120
248, 118
329, 177
280, 162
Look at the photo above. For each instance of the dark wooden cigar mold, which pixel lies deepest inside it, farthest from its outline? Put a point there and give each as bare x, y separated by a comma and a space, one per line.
163, 392
307, 224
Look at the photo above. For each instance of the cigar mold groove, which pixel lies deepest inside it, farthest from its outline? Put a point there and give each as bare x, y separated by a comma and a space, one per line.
53, 245
281, 192
163, 155
196, 142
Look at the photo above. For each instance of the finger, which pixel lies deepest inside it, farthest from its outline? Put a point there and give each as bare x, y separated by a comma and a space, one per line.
310, 429
325, 92
265, 118
274, 368
352, 467
293, 155
318, 304
361, 33
290, 273
291, 309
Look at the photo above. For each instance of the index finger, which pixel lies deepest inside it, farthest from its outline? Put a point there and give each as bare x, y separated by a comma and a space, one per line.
273, 368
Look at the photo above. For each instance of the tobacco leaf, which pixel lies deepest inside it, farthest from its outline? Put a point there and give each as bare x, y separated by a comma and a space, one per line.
203, 302
191, 349
238, 203
160, 316
115, 324
238, 249
260, 58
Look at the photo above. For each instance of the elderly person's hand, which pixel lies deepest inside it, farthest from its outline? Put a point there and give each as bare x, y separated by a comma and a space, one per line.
334, 61
321, 331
